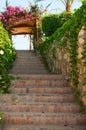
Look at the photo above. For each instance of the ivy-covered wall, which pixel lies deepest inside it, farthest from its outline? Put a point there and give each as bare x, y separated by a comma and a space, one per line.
61, 51
82, 63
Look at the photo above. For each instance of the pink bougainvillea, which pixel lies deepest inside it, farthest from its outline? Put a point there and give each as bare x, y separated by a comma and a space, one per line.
13, 14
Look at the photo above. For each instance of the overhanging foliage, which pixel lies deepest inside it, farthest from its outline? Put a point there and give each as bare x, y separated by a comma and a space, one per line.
7, 56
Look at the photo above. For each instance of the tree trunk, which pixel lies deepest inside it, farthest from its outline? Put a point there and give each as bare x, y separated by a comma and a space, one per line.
68, 6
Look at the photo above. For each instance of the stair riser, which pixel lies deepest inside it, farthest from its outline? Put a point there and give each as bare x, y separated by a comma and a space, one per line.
37, 127
30, 67
39, 77
39, 83
30, 61
40, 108
39, 98
25, 119
41, 90
28, 72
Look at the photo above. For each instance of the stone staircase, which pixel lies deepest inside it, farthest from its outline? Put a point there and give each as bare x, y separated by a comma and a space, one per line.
39, 100
28, 62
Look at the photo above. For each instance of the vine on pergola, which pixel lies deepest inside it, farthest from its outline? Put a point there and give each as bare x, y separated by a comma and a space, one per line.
18, 20
19, 17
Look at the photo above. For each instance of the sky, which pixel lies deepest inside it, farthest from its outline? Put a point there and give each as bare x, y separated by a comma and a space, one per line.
21, 42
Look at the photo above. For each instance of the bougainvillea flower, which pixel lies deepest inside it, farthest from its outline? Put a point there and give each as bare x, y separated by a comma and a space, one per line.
1, 16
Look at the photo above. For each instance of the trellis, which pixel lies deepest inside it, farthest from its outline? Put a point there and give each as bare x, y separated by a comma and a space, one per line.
19, 21
24, 27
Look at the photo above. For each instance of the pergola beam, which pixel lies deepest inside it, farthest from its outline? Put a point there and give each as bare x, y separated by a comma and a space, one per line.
22, 30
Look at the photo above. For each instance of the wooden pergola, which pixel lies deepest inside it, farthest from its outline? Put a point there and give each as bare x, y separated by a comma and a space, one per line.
24, 27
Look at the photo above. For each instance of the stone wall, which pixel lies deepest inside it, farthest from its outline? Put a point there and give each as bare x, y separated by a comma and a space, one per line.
58, 61
81, 67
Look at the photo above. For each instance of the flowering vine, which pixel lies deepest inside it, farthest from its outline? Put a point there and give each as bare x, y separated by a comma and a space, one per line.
13, 14
16, 14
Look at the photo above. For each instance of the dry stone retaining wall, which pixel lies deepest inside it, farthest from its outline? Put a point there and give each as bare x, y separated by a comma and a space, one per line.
81, 67
58, 61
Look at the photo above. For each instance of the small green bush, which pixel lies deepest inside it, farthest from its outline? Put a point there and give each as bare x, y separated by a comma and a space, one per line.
65, 16
52, 22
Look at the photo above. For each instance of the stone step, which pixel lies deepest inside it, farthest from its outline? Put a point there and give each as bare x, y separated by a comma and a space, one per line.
44, 118
40, 77
37, 62
38, 66
28, 72
42, 90
37, 98
35, 83
42, 127
28, 63
28, 60
25, 52
30, 69
27, 57
40, 107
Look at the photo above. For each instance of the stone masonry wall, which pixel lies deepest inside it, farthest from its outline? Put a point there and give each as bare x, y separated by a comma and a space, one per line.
58, 61
81, 67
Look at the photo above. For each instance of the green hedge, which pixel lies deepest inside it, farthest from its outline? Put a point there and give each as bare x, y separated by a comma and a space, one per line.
7, 56
51, 22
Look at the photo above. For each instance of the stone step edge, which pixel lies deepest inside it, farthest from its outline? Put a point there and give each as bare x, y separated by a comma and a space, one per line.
39, 103
37, 94
59, 114
39, 76
51, 127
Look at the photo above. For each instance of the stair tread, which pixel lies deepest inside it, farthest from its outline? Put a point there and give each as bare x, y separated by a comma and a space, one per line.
40, 107
44, 127
37, 94
59, 114
39, 76
40, 103
24, 64
41, 90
